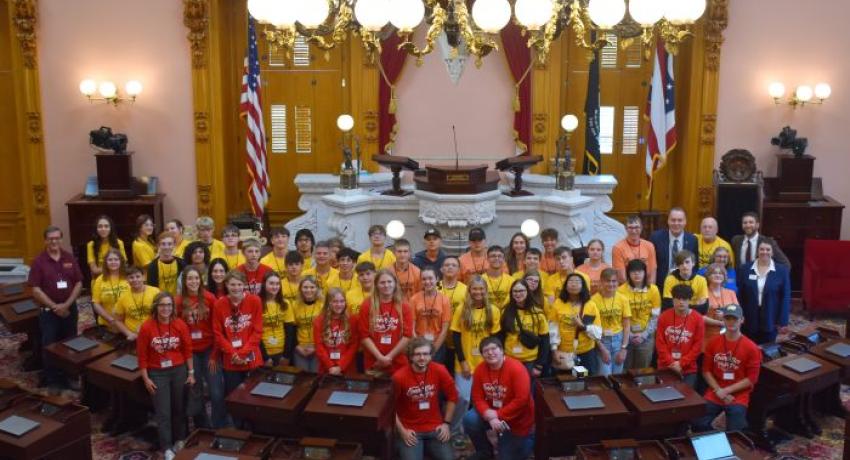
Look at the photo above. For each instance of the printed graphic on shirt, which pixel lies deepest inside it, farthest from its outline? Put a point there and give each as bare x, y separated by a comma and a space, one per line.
726, 362
273, 320
677, 334
239, 323
494, 391
386, 323
422, 392
164, 343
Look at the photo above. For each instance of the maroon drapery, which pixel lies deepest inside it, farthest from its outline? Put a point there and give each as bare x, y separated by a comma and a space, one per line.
519, 59
392, 61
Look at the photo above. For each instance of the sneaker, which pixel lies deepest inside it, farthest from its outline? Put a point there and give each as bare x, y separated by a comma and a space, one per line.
459, 442
169, 454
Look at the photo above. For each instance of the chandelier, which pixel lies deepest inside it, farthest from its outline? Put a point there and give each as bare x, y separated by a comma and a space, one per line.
327, 23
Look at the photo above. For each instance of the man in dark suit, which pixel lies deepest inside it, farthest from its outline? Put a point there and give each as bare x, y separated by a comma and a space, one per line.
671, 240
746, 245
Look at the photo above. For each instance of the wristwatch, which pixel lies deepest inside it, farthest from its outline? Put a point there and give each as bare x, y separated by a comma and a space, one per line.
624, 346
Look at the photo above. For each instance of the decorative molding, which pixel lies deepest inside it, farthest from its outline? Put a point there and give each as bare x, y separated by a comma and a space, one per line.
39, 195
25, 21
202, 127
204, 200
370, 126
34, 127
718, 19
709, 122
539, 127
705, 197
196, 18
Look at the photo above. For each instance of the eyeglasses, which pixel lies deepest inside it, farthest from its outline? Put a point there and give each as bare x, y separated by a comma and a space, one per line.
519, 291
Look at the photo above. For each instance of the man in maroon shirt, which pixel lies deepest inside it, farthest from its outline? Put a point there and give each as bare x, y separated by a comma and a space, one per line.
56, 283
420, 424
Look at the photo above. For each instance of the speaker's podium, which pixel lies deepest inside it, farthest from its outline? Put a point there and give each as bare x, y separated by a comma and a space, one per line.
45, 428
465, 180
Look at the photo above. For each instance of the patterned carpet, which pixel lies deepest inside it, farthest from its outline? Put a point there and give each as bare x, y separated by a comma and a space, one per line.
133, 446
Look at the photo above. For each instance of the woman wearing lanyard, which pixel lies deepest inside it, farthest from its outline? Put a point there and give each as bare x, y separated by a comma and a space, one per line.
333, 336
384, 325
238, 329
645, 304
164, 350
108, 288
306, 309
718, 297
764, 288
163, 271
433, 313
472, 323
134, 306
525, 330
216, 273
144, 246
102, 241
574, 313
723, 257
195, 306
278, 323
616, 324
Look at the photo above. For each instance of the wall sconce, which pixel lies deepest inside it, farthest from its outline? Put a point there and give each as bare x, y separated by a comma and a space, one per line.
803, 94
109, 92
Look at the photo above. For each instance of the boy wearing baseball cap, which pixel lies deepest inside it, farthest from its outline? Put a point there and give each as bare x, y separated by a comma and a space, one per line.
433, 254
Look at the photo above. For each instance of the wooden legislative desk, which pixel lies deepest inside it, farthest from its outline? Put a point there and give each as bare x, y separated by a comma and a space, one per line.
19, 295
64, 432
202, 441
820, 351
559, 429
102, 374
643, 450
9, 393
682, 449
662, 419
73, 362
272, 416
288, 449
371, 425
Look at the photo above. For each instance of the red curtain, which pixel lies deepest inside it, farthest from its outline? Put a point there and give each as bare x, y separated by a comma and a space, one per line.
392, 61
519, 61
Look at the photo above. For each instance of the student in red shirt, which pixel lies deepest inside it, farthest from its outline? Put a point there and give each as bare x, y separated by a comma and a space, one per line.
194, 306
254, 271
501, 398
385, 325
164, 350
678, 340
333, 334
238, 328
418, 389
215, 277
731, 370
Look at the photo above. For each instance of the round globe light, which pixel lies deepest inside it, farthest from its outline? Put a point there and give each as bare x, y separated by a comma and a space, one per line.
822, 91
406, 14
646, 12
491, 15
345, 122
283, 13
88, 87
680, 12
373, 15
569, 122
133, 88
312, 13
107, 89
695, 8
533, 14
395, 229
261, 10
530, 228
606, 13
776, 90
804, 93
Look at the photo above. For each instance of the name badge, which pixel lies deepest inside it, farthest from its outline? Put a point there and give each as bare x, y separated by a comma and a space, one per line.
636, 328
272, 340
197, 335
517, 349
165, 363
677, 355
424, 405
429, 337
61, 285
335, 355
476, 352
236, 343
386, 340
754, 277
497, 404
728, 376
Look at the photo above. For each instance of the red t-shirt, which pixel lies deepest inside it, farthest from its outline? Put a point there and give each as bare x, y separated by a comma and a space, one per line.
682, 336
255, 278
510, 388
158, 343
417, 396
741, 357
340, 352
238, 331
200, 330
388, 331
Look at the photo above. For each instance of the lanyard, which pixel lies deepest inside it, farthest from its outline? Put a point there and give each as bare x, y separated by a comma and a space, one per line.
726, 347
682, 330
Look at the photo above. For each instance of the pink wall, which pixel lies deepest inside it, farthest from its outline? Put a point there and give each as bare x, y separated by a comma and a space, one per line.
118, 40
766, 43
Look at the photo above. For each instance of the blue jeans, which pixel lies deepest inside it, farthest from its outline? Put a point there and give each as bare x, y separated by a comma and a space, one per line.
55, 329
589, 360
215, 385
690, 379
612, 343
511, 446
305, 363
736, 417
464, 386
427, 441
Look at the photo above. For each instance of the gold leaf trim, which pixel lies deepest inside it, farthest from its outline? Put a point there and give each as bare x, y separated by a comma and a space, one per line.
717, 20
25, 20
202, 127
195, 17
39, 195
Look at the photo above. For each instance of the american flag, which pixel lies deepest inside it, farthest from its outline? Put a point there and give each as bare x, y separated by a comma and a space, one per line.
661, 113
251, 109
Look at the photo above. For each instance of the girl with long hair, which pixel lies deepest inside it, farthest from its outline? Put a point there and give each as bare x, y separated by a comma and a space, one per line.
334, 336
645, 305
144, 245
476, 320
525, 330
594, 264
278, 322
216, 272
515, 254
306, 309
385, 325
108, 288
573, 312
103, 239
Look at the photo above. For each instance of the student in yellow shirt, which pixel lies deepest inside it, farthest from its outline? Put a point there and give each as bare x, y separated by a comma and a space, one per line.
476, 320
134, 306
276, 259
525, 330
366, 279
306, 309
326, 276
175, 227
336, 245
685, 273
498, 282
279, 330
163, 271
553, 286
573, 312
144, 246
108, 287
304, 242
347, 277
616, 315
380, 256
451, 287
532, 278
103, 239
294, 268
232, 255
645, 304
407, 274
532, 262
205, 226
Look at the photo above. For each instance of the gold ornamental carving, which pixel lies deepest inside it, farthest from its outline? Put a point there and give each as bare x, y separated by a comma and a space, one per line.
709, 129
25, 20
202, 127
34, 127
705, 198
370, 126
205, 200
538, 124
718, 19
39, 195
195, 17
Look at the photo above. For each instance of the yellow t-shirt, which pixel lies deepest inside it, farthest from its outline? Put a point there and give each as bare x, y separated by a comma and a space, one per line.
289, 290
349, 284
562, 314
534, 322
555, 283
106, 293
304, 316
135, 307
234, 260
697, 283
144, 252
544, 277
470, 337
641, 304
101, 252
276, 263
274, 334
180, 248
326, 281
354, 298
216, 249
308, 263
706, 250
498, 289
456, 295
168, 274
612, 311
386, 261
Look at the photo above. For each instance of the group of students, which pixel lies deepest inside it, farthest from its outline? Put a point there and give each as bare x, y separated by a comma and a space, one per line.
209, 312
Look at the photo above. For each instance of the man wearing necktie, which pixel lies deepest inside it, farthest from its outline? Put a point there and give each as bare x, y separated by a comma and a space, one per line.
668, 241
745, 246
